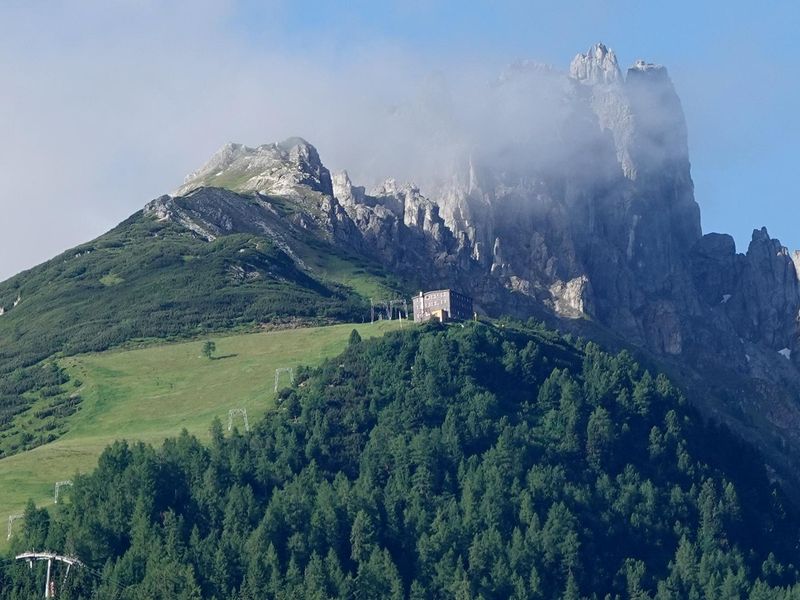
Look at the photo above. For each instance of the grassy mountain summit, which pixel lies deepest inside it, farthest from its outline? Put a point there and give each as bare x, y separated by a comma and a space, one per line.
438, 462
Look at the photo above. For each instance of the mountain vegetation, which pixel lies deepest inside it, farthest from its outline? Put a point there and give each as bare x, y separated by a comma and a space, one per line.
439, 462
150, 394
147, 279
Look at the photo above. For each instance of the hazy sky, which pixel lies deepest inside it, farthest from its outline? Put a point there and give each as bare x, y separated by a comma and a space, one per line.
107, 104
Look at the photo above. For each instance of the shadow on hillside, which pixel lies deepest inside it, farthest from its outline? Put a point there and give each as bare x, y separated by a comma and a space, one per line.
224, 356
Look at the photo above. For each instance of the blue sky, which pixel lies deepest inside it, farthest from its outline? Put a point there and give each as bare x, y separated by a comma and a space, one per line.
107, 104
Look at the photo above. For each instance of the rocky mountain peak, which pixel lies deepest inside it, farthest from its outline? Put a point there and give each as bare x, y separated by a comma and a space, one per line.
301, 153
597, 65
271, 169
658, 142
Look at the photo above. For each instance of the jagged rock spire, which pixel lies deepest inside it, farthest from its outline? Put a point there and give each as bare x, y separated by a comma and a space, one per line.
597, 65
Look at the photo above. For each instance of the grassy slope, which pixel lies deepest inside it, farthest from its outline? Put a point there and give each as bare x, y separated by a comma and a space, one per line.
153, 393
355, 272
154, 280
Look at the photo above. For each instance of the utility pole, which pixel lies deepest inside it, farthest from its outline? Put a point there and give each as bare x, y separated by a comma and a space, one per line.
50, 585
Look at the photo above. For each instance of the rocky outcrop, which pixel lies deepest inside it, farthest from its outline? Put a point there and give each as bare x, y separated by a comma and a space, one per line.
403, 228
614, 210
289, 168
598, 66
757, 292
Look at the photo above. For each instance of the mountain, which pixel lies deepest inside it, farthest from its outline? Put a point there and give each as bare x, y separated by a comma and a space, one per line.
582, 215
484, 460
589, 221
436, 462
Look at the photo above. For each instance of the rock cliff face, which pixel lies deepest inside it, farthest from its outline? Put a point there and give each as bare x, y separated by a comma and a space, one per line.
756, 293
604, 230
404, 228
591, 219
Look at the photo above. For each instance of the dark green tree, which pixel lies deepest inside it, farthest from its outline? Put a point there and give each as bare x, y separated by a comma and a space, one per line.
209, 348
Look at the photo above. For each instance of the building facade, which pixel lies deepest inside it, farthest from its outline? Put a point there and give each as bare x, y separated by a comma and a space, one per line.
442, 305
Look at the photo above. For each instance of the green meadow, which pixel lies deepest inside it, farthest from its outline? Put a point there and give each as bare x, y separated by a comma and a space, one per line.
153, 393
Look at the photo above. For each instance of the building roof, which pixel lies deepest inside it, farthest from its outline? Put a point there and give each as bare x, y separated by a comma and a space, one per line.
442, 290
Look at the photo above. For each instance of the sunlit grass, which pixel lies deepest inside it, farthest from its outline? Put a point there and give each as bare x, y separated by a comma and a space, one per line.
152, 393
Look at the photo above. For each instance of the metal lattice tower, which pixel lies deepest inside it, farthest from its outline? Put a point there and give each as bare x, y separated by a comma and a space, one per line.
50, 584
11, 519
279, 372
59, 485
238, 412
